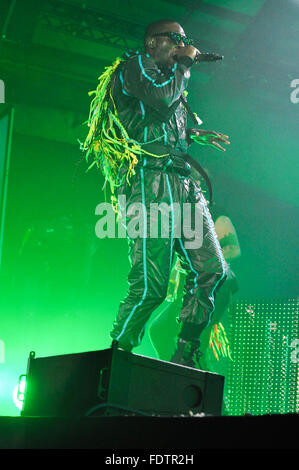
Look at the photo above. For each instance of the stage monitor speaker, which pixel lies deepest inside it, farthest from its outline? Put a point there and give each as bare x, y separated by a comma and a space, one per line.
115, 382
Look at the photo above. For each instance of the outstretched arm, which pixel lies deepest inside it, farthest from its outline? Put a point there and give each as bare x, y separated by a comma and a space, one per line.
203, 137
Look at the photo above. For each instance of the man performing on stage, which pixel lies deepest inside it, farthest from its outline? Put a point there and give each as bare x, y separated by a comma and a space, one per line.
139, 139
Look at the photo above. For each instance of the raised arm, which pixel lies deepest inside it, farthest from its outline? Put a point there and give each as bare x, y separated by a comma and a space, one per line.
142, 79
228, 238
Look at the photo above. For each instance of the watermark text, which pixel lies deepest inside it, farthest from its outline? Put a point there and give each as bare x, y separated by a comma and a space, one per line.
294, 96
2, 352
295, 353
163, 220
2, 91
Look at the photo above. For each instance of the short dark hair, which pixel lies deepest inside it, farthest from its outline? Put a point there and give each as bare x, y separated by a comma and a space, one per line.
155, 27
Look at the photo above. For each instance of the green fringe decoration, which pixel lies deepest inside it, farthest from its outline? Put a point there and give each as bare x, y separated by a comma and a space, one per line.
107, 140
219, 343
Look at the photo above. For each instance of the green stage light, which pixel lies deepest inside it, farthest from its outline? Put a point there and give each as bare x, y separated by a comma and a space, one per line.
19, 392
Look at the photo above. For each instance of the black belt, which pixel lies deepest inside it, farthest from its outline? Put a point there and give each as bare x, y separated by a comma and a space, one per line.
159, 149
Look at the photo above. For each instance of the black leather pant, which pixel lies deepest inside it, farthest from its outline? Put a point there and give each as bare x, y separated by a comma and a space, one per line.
166, 180
164, 329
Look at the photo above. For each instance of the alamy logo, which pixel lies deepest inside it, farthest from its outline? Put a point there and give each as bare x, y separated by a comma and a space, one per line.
2, 91
294, 96
161, 220
2, 352
295, 353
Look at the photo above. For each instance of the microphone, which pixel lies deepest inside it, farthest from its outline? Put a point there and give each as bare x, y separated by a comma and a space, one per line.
207, 57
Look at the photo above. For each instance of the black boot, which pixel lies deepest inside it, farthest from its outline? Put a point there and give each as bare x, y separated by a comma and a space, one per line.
123, 347
187, 353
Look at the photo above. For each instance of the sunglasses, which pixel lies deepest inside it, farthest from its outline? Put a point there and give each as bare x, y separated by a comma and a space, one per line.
176, 38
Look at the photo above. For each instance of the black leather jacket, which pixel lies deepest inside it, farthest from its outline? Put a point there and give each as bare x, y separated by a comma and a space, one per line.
148, 102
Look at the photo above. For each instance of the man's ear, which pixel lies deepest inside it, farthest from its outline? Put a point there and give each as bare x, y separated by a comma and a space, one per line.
151, 43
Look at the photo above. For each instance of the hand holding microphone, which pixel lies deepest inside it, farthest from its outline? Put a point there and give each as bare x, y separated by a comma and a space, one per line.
187, 51
195, 54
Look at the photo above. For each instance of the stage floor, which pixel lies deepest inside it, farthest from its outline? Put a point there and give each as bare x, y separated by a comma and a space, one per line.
139, 432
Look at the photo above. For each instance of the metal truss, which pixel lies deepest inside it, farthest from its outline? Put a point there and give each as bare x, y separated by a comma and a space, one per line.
94, 25
217, 11
91, 24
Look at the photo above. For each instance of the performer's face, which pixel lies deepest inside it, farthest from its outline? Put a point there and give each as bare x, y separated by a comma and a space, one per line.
164, 48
